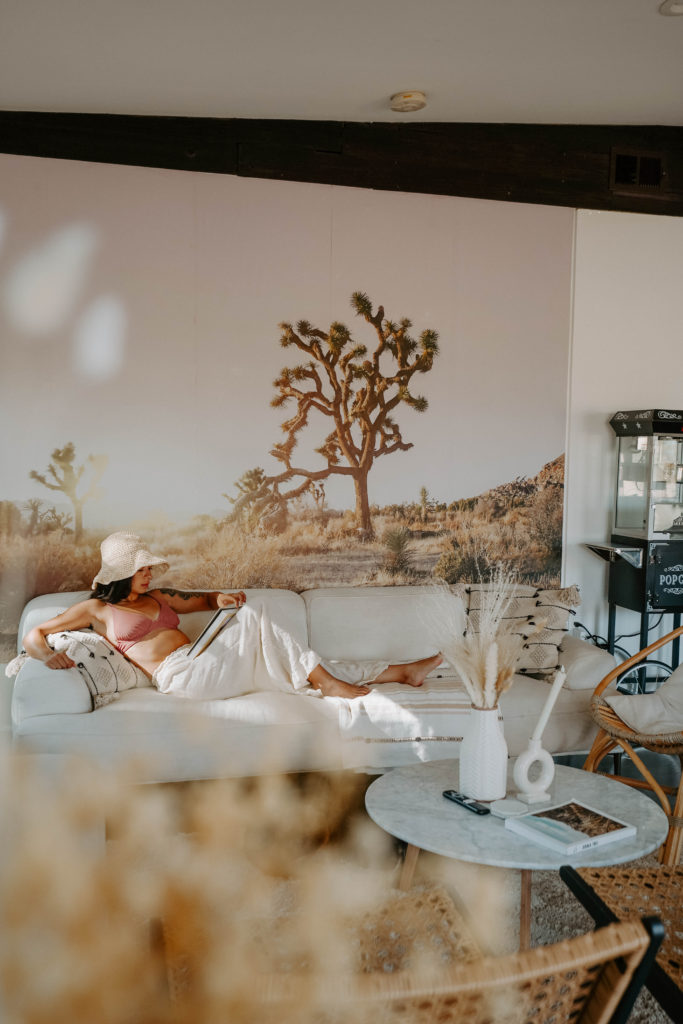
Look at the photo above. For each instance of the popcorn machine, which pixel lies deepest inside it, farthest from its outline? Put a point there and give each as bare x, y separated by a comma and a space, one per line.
645, 552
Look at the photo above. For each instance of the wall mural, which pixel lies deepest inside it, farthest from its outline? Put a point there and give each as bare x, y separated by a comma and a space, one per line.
404, 421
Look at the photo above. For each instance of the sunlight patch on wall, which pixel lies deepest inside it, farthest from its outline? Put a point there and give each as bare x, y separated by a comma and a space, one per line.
100, 339
42, 289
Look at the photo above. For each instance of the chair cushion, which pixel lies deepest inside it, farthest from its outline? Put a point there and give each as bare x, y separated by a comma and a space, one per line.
653, 714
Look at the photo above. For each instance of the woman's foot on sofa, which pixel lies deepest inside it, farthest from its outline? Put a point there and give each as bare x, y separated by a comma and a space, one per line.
412, 674
330, 686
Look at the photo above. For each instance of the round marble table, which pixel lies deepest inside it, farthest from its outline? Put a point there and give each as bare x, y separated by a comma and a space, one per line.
408, 803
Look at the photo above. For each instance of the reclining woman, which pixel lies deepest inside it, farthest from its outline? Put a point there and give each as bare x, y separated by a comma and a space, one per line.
254, 653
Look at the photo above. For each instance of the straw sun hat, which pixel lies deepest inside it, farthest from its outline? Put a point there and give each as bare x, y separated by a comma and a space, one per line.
122, 555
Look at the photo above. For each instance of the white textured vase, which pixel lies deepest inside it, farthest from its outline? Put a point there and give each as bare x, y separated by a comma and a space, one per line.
484, 756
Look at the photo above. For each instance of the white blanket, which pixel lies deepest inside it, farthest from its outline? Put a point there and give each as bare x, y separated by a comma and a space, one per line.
396, 723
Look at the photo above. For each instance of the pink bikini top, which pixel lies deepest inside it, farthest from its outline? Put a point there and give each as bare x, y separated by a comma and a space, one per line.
131, 627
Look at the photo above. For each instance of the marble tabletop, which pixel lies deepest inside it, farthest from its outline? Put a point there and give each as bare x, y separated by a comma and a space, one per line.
408, 803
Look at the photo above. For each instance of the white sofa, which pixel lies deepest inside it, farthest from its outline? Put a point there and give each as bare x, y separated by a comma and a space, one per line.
162, 738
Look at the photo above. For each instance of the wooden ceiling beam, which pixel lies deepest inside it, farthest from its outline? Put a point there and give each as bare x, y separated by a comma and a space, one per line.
611, 167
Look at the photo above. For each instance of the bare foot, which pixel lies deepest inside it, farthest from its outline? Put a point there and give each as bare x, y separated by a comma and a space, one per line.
413, 674
336, 688
330, 686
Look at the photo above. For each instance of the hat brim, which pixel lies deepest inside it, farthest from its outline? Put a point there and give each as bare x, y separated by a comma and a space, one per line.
143, 558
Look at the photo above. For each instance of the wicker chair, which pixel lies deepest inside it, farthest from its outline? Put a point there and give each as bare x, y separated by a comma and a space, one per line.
614, 734
413, 967
625, 893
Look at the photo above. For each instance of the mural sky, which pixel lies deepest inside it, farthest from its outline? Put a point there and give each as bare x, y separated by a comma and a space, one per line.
139, 314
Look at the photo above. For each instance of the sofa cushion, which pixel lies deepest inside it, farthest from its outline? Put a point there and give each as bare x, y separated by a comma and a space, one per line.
397, 725
370, 624
156, 737
529, 605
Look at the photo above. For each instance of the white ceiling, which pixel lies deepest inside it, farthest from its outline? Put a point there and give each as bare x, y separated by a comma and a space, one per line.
533, 61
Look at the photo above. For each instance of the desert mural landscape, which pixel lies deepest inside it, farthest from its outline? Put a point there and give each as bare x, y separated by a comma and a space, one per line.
276, 384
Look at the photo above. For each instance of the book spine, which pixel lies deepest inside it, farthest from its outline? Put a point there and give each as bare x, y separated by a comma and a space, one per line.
552, 844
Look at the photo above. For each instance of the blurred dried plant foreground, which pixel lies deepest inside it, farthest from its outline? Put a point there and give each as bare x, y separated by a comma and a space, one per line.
124, 904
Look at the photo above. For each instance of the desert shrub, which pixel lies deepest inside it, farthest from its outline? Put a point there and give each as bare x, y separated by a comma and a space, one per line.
464, 562
45, 564
232, 558
545, 519
10, 518
397, 557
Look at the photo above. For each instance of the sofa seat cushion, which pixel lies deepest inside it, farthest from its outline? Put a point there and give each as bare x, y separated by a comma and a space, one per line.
397, 725
159, 737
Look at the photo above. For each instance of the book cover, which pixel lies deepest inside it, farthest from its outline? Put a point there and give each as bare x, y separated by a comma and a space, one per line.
217, 623
570, 827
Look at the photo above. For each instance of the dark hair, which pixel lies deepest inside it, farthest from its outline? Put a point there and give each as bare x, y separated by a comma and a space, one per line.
112, 593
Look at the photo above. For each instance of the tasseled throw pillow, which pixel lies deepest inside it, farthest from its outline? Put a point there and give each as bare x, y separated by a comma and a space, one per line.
105, 671
530, 605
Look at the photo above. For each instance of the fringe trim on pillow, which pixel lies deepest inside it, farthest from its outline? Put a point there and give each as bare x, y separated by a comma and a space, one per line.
571, 595
100, 699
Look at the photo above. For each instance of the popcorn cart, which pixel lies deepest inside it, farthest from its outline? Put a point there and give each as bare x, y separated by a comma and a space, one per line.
645, 552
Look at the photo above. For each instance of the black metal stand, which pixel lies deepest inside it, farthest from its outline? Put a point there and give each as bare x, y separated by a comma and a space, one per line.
644, 636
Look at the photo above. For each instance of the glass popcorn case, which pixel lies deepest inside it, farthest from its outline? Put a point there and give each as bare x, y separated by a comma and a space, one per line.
649, 492
645, 552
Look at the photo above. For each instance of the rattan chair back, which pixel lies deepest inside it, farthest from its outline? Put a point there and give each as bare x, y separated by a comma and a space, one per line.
615, 734
416, 968
629, 892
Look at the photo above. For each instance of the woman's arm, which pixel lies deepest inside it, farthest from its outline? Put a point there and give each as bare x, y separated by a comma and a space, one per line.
79, 616
195, 601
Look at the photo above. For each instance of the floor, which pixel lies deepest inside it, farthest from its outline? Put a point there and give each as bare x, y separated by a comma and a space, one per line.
666, 768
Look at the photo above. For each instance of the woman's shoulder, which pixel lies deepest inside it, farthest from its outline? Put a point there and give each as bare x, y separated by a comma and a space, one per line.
93, 605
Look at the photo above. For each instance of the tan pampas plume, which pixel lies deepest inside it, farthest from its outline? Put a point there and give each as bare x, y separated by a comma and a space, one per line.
484, 659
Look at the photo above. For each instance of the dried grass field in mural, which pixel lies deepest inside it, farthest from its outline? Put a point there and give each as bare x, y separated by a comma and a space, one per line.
519, 523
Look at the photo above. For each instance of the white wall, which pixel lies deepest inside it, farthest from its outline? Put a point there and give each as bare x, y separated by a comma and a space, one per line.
627, 353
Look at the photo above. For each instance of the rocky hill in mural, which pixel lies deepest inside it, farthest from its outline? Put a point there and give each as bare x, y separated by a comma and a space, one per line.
519, 523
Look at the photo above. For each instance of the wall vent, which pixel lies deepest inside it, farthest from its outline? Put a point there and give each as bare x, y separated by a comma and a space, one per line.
634, 171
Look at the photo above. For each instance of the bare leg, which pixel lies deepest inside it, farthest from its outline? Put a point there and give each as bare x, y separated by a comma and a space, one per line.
414, 673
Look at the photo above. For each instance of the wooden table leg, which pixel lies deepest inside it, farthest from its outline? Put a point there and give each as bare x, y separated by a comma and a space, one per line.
408, 869
525, 911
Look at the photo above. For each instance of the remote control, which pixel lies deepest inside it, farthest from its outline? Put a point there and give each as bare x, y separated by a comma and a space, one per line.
465, 801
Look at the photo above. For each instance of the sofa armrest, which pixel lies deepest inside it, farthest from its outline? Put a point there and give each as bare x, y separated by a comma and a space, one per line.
39, 690
584, 663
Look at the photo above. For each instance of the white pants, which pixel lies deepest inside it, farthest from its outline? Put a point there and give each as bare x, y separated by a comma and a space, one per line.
252, 653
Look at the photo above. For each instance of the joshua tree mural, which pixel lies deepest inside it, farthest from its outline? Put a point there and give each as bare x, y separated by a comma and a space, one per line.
357, 390
63, 475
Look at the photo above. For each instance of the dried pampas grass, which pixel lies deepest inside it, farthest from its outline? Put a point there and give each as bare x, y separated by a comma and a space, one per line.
485, 660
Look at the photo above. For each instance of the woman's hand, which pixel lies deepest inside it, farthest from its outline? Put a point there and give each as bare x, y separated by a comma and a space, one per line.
231, 600
58, 659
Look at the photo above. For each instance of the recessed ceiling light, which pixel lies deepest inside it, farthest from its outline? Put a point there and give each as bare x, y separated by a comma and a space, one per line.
405, 102
671, 7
